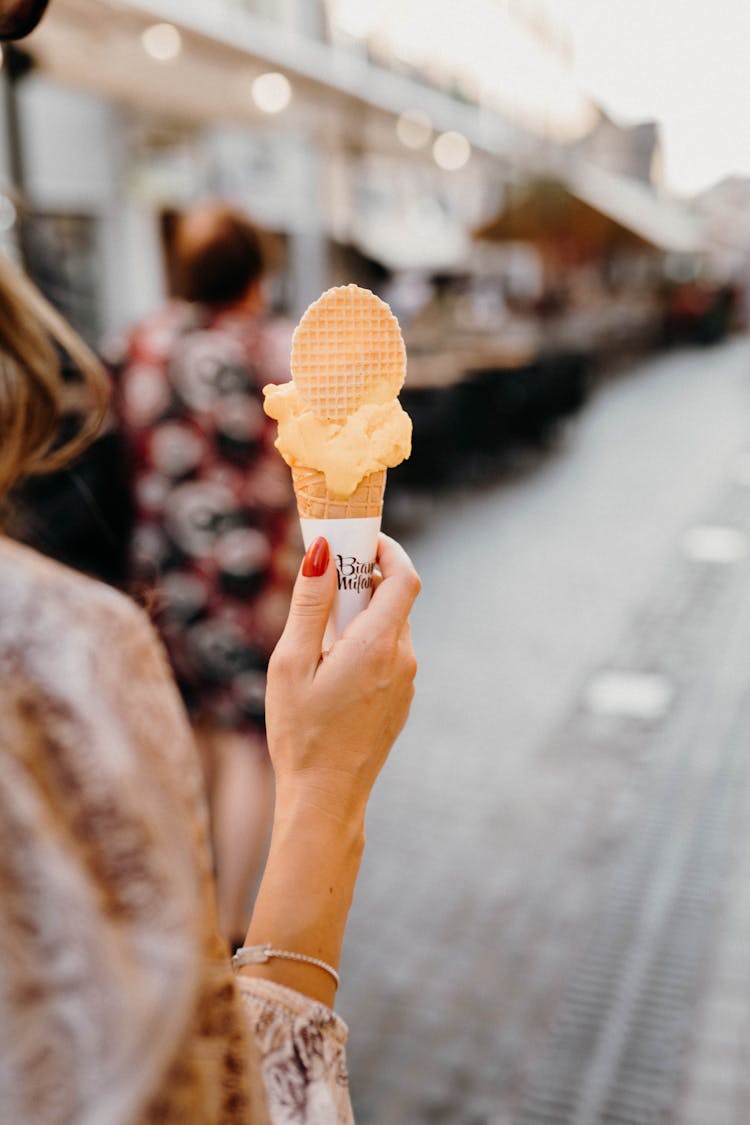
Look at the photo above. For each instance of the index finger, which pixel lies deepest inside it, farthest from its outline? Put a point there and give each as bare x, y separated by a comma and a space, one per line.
394, 595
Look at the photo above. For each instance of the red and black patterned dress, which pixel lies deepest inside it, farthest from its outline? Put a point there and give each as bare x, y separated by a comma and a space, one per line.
216, 543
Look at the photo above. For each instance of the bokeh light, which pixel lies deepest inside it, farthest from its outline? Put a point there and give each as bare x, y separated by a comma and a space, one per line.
271, 92
414, 128
162, 41
451, 151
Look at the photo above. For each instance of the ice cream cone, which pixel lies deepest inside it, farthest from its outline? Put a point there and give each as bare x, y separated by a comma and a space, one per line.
314, 501
340, 427
351, 527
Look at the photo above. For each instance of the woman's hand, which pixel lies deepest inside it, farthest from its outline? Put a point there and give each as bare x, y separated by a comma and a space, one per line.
332, 720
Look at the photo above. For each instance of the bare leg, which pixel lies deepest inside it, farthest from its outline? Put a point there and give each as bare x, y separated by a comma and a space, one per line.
241, 802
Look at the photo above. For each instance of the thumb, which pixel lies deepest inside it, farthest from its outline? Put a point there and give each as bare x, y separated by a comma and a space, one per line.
312, 600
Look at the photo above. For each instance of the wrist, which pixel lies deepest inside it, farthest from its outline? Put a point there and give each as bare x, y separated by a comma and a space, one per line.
306, 891
326, 799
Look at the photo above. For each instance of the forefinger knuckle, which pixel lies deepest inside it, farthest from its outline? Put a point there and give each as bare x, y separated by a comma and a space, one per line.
414, 584
282, 661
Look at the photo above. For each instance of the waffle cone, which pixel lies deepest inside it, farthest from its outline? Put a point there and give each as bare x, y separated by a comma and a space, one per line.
315, 502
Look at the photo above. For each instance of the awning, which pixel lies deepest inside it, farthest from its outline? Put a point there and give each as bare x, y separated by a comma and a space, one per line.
597, 210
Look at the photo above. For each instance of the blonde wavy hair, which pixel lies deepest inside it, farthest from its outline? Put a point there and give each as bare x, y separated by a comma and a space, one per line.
33, 395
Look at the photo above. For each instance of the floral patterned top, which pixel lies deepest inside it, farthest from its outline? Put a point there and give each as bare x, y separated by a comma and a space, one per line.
215, 546
118, 1005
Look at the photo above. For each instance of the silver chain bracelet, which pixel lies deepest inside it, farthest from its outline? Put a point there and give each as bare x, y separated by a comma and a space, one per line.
259, 954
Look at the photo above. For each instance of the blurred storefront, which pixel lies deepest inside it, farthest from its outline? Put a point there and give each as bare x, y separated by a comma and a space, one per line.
249, 100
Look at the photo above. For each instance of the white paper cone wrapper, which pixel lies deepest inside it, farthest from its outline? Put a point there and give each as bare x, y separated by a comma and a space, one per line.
353, 545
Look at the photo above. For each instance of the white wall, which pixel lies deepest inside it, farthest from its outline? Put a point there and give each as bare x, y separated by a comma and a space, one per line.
73, 150
69, 142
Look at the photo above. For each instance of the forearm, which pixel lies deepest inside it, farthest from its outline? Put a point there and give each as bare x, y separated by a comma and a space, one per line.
306, 891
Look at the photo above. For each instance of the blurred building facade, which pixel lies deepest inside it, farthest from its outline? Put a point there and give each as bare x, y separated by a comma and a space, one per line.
122, 113
630, 150
366, 161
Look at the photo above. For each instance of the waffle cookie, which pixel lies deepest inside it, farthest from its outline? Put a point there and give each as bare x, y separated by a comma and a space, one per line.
347, 349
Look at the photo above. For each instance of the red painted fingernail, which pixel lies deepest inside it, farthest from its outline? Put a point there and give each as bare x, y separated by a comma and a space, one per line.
315, 561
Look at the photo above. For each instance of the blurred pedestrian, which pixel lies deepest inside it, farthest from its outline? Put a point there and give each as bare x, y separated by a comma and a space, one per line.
215, 540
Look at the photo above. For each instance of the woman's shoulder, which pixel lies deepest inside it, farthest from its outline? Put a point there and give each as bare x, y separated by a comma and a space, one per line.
73, 647
46, 606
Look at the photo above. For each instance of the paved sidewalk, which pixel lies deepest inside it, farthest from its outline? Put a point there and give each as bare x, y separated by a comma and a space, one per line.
537, 816
615, 1049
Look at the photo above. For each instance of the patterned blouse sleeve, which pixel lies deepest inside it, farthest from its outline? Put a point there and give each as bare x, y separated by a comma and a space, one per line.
302, 1055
